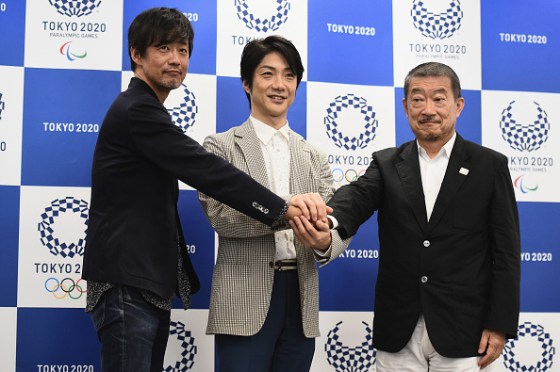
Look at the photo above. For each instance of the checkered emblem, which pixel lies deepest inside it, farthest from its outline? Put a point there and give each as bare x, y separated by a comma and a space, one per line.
55, 244
2, 106
268, 24
436, 26
546, 351
178, 332
350, 101
524, 136
345, 359
77, 8
184, 115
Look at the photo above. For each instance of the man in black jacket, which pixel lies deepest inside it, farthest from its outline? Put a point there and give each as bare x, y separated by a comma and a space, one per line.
134, 257
447, 292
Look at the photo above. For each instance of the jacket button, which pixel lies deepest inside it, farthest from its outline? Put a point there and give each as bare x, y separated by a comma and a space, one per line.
424, 279
426, 243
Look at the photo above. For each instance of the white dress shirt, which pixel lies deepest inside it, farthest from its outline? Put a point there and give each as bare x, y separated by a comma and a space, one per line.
275, 146
432, 171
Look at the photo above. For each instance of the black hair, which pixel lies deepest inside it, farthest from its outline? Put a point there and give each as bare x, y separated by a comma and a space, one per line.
158, 26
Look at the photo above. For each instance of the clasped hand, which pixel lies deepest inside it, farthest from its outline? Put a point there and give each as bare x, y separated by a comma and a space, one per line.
307, 215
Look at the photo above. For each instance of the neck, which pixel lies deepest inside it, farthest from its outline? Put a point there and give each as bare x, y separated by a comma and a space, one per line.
274, 122
161, 94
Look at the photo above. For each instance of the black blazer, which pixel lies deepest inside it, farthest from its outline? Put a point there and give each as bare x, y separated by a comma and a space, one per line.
461, 270
134, 229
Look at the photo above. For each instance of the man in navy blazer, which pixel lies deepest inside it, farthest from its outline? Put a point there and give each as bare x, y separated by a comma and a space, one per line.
135, 260
447, 293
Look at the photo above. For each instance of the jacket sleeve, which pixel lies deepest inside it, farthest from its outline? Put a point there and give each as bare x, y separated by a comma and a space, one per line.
503, 313
354, 203
167, 147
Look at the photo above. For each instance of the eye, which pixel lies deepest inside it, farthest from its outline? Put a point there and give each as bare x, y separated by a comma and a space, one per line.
163, 48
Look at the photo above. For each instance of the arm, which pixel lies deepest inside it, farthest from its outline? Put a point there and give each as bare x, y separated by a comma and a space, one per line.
503, 310
164, 145
354, 203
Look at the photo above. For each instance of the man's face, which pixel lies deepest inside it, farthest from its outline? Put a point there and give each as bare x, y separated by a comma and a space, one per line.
431, 108
162, 67
273, 90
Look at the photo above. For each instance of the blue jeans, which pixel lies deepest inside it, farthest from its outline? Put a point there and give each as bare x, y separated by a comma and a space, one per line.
133, 333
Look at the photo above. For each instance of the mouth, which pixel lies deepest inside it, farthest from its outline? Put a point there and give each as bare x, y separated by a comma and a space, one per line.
429, 122
276, 98
173, 72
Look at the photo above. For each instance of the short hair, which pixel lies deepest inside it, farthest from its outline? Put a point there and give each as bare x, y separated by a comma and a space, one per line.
434, 69
158, 26
255, 51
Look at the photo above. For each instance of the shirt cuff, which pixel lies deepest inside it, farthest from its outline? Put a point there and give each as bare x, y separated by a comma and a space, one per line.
334, 222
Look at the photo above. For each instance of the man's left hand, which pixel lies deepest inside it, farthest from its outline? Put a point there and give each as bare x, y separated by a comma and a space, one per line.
491, 345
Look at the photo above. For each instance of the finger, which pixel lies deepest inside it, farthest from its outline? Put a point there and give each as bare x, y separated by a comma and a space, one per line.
484, 361
483, 342
299, 231
298, 201
322, 225
320, 205
314, 208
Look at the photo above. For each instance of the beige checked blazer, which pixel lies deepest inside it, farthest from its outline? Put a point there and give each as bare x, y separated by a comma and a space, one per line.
242, 278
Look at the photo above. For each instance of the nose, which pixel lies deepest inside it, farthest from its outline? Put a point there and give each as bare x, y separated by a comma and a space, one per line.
429, 108
278, 82
174, 57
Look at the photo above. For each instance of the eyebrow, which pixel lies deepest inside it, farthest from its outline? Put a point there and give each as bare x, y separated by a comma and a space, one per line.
421, 90
274, 68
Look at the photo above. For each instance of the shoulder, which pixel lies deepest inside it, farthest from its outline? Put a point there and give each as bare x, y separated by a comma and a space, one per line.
222, 139
477, 150
394, 152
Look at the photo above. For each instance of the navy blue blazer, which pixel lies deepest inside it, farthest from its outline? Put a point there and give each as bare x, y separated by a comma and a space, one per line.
461, 270
134, 230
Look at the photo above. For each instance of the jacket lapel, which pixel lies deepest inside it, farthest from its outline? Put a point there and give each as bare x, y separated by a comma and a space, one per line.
249, 143
454, 178
409, 172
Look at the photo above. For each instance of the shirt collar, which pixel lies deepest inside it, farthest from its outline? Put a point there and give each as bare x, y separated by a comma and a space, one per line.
445, 150
265, 132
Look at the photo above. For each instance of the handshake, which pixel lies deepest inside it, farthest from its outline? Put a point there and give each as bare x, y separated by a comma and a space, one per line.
307, 215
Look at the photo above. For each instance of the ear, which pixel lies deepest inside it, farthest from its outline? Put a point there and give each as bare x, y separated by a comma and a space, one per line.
405, 107
135, 55
246, 87
460, 105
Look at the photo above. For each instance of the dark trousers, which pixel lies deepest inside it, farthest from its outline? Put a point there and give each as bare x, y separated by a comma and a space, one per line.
133, 332
280, 345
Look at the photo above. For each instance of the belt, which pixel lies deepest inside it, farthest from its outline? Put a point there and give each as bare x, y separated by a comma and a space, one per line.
284, 265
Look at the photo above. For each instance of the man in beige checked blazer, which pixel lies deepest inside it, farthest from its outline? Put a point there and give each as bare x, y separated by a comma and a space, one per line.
264, 305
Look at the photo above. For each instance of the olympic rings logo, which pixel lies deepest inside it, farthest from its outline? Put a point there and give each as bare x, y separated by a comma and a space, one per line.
342, 177
65, 287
